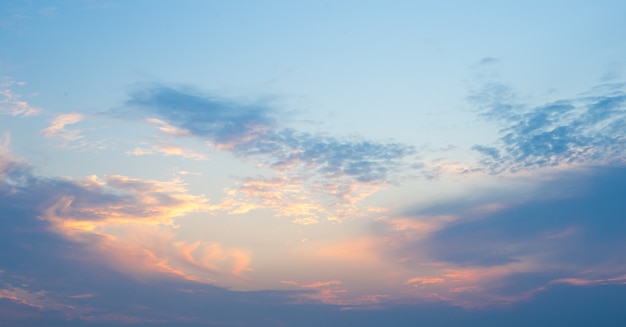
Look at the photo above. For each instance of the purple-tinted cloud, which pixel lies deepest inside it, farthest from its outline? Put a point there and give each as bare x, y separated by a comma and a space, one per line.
569, 231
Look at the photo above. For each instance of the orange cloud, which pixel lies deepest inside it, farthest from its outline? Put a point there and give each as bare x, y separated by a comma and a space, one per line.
477, 274
168, 149
119, 199
128, 222
296, 198
288, 197
168, 128
145, 251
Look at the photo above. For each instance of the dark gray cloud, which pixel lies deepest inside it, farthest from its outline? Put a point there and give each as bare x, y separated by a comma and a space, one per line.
251, 130
584, 129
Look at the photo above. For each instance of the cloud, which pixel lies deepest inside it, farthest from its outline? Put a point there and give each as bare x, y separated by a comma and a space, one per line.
587, 129
252, 130
581, 207
168, 149
213, 257
587, 282
25, 297
126, 221
221, 121
11, 103
85, 204
319, 284
66, 137
168, 128
50, 279
297, 198
425, 280
287, 196
488, 61
57, 127
568, 230
314, 176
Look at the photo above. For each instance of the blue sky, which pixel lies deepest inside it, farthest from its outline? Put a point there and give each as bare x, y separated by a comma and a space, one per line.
284, 163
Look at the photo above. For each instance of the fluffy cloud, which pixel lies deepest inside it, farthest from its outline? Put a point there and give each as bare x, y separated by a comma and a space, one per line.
126, 221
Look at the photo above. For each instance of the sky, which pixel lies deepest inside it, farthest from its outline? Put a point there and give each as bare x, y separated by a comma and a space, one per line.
312, 163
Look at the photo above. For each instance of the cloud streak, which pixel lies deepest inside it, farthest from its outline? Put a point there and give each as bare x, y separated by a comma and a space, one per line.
57, 127
168, 149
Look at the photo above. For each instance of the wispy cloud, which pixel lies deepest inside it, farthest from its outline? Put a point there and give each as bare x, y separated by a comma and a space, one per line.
297, 198
63, 133
214, 257
288, 197
167, 128
584, 129
319, 284
57, 127
23, 296
307, 167
11, 103
252, 130
222, 121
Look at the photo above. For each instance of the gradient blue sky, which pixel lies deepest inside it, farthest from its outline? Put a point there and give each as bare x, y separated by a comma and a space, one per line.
340, 163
